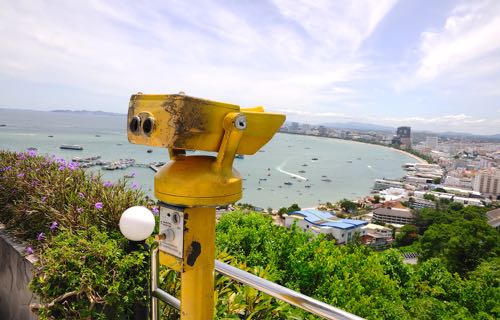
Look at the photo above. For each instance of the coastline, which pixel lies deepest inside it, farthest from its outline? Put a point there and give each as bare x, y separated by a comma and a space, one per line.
364, 142
410, 155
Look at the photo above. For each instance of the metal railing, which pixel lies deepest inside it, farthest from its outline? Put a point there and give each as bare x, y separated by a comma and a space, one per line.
275, 290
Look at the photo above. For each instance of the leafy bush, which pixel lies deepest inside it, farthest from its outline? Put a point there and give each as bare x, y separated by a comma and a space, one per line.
89, 274
71, 221
36, 191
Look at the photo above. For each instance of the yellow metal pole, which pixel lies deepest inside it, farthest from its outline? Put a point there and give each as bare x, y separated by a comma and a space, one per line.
197, 277
190, 186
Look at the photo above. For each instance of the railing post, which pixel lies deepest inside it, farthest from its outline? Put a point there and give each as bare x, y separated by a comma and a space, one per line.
155, 264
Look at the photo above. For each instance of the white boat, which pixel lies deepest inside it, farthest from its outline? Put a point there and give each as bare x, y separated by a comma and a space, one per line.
71, 147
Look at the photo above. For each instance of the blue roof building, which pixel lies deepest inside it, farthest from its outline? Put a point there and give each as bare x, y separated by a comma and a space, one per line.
327, 223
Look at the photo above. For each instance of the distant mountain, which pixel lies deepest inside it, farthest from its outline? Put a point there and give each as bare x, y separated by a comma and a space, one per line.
358, 126
374, 127
96, 113
451, 134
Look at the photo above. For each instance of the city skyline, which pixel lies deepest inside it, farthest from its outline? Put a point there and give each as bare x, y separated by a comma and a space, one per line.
431, 66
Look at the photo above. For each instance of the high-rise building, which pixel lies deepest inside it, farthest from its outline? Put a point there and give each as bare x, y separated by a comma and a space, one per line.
322, 130
403, 137
488, 182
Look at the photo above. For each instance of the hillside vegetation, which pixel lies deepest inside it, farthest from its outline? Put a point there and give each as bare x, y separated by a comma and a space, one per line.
87, 269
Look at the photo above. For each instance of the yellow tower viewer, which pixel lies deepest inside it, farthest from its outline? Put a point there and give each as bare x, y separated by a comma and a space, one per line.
189, 187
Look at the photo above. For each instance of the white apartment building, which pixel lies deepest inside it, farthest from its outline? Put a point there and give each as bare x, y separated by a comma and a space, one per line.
488, 182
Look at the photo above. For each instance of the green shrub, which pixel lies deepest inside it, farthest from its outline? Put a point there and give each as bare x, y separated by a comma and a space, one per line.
89, 274
36, 191
71, 221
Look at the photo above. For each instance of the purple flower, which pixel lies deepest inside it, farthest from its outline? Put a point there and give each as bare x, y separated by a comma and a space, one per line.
29, 250
79, 210
31, 153
98, 205
40, 236
156, 210
81, 195
20, 175
22, 156
43, 199
72, 166
53, 226
62, 167
61, 161
134, 185
107, 184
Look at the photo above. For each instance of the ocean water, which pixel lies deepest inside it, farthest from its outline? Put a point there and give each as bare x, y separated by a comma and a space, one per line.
351, 166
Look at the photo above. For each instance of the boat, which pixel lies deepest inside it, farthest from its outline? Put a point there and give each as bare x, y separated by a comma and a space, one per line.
51, 136
323, 176
349, 161
307, 186
302, 171
304, 165
239, 156
288, 183
314, 159
150, 151
326, 180
71, 147
3, 125
97, 135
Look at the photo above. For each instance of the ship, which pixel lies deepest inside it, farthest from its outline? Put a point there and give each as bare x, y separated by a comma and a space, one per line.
71, 147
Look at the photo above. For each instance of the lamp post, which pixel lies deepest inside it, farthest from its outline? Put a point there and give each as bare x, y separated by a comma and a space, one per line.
137, 224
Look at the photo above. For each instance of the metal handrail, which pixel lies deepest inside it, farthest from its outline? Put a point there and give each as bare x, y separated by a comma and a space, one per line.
282, 293
275, 290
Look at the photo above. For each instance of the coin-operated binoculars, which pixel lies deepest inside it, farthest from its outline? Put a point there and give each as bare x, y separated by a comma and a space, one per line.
190, 186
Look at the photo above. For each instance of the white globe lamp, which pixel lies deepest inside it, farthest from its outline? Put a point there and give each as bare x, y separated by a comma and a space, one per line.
137, 223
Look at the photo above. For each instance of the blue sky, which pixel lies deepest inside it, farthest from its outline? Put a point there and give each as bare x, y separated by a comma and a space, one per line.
434, 65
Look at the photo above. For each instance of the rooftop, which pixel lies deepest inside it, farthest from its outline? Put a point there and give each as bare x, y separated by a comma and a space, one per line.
394, 212
327, 220
493, 218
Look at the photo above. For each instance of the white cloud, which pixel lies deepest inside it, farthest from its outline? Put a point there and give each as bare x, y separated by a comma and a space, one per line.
205, 48
342, 26
470, 33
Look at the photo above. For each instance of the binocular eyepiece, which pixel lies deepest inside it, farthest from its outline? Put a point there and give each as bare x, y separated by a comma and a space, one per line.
142, 125
178, 121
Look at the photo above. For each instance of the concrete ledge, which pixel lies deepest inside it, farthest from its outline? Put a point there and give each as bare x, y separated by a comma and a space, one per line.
15, 276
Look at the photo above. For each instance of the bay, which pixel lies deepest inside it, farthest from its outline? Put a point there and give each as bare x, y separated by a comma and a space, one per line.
343, 169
